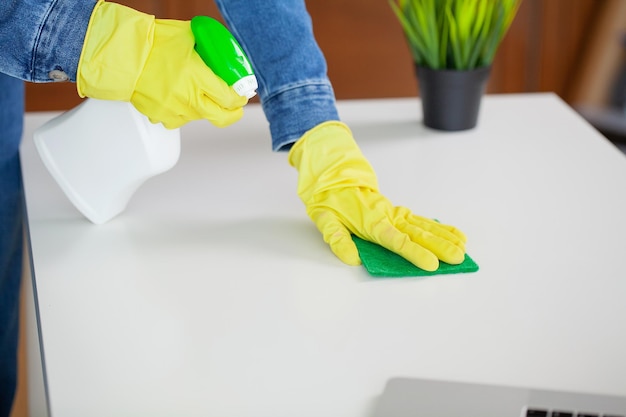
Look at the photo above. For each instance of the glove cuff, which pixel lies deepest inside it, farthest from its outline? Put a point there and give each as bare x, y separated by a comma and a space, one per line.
327, 157
329, 134
117, 44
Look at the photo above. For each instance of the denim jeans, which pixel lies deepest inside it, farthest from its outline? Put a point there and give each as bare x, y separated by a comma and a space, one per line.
11, 111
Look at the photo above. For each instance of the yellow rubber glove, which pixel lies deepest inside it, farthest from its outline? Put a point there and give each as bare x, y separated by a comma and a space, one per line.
340, 190
131, 56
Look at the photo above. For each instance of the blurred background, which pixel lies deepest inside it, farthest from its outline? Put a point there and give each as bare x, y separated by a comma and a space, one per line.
574, 48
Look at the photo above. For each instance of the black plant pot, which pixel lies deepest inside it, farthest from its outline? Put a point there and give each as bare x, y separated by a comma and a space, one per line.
451, 98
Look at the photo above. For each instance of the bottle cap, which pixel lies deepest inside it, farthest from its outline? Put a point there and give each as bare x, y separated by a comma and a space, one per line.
246, 86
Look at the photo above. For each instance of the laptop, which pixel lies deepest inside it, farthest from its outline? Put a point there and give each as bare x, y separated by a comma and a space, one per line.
412, 397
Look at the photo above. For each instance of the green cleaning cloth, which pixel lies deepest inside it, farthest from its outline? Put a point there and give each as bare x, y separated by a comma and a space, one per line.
381, 262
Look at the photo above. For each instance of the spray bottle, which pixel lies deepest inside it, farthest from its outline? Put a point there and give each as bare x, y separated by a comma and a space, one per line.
101, 152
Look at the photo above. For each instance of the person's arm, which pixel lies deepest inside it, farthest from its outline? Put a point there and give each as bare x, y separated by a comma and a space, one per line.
42, 40
294, 88
114, 52
336, 182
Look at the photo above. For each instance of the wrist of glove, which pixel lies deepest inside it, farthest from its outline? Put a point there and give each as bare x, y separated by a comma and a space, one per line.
131, 56
340, 191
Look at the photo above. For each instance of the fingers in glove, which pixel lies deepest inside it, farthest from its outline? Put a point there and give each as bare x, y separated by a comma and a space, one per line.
450, 229
444, 248
210, 85
445, 231
399, 242
337, 236
217, 115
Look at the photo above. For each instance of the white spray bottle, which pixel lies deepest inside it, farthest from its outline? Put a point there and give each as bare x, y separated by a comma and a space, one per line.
101, 152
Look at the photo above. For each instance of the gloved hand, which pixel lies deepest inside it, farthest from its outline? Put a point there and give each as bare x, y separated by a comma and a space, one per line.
130, 56
340, 191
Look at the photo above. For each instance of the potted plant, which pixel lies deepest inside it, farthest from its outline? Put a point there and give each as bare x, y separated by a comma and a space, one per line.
453, 43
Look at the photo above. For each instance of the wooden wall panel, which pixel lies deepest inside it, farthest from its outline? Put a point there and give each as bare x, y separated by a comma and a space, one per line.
365, 48
603, 57
368, 57
563, 35
515, 63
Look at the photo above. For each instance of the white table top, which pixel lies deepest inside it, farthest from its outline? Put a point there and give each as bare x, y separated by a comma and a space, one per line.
214, 295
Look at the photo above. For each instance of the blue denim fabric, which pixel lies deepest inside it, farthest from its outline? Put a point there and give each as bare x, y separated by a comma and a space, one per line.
294, 88
39, 36
11, 111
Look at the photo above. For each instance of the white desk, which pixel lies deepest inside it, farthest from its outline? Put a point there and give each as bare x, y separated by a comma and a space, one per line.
214, 294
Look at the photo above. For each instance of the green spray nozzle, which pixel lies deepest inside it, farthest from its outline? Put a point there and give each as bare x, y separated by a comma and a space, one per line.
221, 52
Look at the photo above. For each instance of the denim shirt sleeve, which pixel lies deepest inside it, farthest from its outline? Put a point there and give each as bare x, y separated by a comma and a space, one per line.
42, 39
294, 88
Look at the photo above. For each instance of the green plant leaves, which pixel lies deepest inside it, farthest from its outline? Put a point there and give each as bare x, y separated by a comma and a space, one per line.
454, 34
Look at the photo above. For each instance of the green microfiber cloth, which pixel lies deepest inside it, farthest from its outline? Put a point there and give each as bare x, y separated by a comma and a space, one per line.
381, 262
